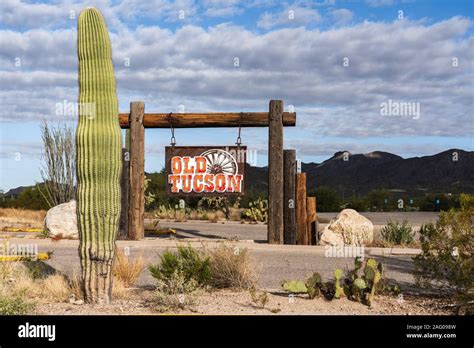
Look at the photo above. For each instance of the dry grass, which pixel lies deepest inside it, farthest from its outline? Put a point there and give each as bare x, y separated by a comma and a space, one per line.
236, 214
232, 267
119, 290
212, 217
55, 288
19, 280
126, 269
15, 280
75, 284
13, 217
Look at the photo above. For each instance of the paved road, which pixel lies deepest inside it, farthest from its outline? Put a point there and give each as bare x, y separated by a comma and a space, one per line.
258, 232
274, 262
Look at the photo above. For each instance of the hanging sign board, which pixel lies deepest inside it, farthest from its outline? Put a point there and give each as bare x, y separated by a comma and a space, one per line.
205, 170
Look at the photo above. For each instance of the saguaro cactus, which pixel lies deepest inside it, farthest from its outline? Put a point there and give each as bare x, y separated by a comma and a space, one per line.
99, 163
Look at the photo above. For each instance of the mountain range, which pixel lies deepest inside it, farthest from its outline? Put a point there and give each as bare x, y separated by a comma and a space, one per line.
451, 171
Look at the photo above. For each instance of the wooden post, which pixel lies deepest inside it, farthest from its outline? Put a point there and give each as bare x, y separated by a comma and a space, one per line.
125, 191
311, 219
275, 172
301, 225
316, 224
137, 172
289, 199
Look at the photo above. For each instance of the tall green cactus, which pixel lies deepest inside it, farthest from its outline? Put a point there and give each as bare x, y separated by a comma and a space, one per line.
99, 162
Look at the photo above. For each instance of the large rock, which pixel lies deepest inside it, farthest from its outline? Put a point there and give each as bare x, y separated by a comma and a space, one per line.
62, 220
349, 228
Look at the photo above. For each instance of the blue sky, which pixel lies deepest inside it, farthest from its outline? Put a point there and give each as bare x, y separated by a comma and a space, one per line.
335, 62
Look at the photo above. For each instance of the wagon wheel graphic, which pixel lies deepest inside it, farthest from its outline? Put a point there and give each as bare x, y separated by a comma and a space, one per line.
220, 161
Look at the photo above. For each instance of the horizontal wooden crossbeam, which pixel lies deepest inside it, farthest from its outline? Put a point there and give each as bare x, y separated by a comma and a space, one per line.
208, 120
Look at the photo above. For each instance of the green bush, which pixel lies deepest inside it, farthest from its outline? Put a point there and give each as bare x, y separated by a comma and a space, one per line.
30, 198
395, 233
14, 305
446, 262
187, 262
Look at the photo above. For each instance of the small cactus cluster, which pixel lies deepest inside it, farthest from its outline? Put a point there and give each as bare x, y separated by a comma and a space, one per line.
313, 286
357, 287
363, 287
258, 210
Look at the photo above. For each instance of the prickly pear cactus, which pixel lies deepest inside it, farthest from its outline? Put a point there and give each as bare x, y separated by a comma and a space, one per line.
294, 286
338, 274
369, 273
372, 263
313, 285
375, 283
360, 283
99, 162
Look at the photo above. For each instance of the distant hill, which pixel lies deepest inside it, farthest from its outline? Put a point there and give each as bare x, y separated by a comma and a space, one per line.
361, 173
15, 192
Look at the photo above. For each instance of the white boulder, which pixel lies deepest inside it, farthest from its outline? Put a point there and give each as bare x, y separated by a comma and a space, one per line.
349, 228
62, 220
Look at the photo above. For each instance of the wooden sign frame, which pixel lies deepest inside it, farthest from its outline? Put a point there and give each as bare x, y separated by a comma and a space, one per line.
234, 165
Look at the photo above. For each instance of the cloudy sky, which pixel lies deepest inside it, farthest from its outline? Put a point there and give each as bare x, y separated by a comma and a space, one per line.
337, 63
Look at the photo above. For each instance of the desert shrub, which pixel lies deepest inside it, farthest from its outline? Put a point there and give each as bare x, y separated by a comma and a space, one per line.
328, 199
466, 201
187, 262
179, 276
231, 268
175, 292
395, 233
126, 269
259, 298
446, 261
15, 305
58, 164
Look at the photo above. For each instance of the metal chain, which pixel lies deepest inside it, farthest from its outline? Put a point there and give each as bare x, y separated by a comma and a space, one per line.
239, 139
173, 139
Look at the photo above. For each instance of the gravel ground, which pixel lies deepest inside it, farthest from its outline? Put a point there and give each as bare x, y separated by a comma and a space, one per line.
228, 302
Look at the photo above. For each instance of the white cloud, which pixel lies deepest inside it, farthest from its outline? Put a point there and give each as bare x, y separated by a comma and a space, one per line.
222, 8
291, 15
341, 16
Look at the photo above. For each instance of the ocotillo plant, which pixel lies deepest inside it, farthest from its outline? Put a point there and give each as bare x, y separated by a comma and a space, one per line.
99, 163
